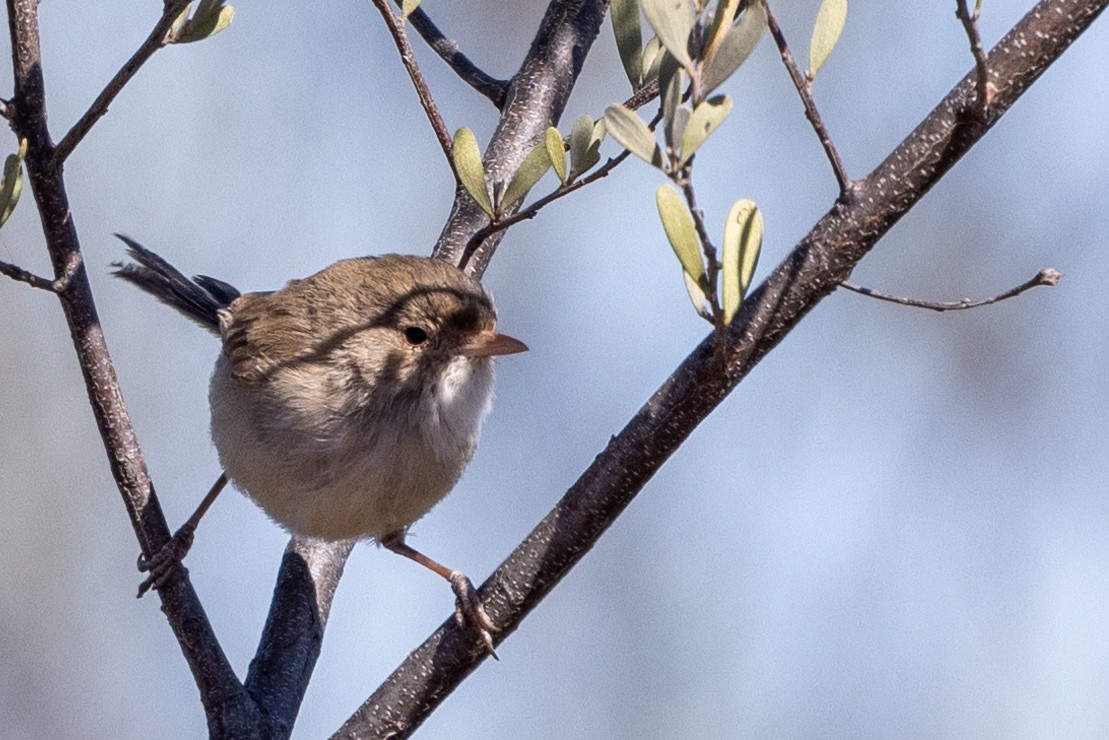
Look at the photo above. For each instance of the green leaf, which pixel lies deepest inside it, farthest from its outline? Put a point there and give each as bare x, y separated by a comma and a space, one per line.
697, 296
737, 45
12, 185
584, 149
652, 57
678, 225
471, 172
671, 77
534, 166
178, 23
825, 33
721, 23
209, 19
556, 153
629, 38
672, 20
707, 116
631, 132
408, 6
742, 243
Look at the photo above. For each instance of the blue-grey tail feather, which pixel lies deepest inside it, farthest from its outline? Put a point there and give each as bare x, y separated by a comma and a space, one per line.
200, 299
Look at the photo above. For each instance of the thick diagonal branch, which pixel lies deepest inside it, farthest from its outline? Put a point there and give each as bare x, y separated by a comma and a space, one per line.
812, 271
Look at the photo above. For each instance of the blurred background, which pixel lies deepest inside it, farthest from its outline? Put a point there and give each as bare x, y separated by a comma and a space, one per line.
896, 527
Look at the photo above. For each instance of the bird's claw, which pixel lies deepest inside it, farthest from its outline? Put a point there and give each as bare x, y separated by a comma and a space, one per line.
160, 566
469, 611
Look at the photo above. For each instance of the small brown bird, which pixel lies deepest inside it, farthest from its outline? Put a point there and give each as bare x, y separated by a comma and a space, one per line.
346, 404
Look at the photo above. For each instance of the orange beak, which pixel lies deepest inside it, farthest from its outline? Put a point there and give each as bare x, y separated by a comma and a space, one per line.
489, 343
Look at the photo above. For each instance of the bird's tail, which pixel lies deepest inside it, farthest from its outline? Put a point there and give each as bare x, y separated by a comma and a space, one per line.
200, 299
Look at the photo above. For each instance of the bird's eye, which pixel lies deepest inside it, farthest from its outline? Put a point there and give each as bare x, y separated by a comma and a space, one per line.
414, 335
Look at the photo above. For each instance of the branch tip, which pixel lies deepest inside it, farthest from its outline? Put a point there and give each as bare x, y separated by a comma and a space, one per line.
1048, 276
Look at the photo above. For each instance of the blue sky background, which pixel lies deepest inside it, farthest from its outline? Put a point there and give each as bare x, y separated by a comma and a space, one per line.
896, 527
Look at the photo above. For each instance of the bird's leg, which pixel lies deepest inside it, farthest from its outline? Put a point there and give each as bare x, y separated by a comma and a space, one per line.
162, 563
468, 607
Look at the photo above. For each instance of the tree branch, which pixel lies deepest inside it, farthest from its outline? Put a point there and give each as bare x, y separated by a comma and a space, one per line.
155, 41
1048, 276
970, 25
804, 89
823, 259
18, 273
228, 707
400, 38
487, 85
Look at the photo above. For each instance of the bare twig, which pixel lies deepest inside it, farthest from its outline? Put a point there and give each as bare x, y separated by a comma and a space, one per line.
408, 59
812, 271
1048, 276
804, 89
467, 71
156, 40
970, 24
642, 96
23, 276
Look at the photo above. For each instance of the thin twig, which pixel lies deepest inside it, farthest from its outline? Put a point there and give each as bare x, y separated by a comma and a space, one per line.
156, 40
970, 24
712, 264
23, 276
804, 89
643, 95
408, 59
1047, 276
467, 71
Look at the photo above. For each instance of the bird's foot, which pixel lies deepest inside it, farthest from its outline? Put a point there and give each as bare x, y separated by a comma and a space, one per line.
469, 611
160, 567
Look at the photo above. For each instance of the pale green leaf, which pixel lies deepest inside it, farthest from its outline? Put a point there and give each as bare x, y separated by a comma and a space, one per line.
407, 7
676, 130
829, 25
742, 242
678, 225
652, 57
736, 46
672, 20
556, 152
12, 185
471, 172
599, 131
178, 23
214, 18
696, 296
584, 149
631, 132
534, 166
671, 77
629, 38
721, 22
707, 116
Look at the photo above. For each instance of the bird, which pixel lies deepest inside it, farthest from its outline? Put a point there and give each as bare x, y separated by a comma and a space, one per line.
345, 404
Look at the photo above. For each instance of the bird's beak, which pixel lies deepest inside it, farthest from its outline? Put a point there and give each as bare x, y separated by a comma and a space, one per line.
489, 343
